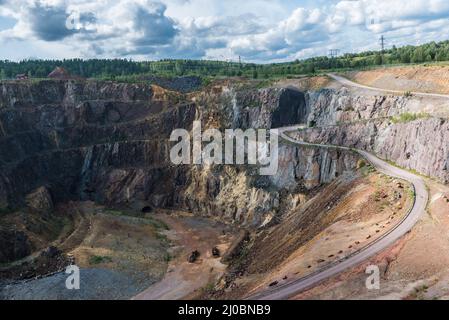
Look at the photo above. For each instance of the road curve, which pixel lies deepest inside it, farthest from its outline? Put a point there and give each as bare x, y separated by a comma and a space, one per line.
287, 290
348, 82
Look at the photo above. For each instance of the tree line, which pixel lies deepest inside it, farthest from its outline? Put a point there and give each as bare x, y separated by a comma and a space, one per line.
126, 69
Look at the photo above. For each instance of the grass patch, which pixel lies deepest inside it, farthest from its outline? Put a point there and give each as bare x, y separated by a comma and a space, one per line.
162, 238
209, 288
366, 168
168, 257
361, 164
265, 84
411, 192
414, 171
409, 117
160, 225
419, 292
206, 81
99, 259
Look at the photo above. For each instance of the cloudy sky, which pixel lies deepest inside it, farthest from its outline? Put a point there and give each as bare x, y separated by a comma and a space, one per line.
256, 30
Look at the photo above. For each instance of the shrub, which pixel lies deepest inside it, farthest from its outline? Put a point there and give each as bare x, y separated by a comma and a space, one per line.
361, 164
99, 259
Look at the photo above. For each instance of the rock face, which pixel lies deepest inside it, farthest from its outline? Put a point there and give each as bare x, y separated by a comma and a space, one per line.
14, 245
265, 108
40, 200
109, 143
366, 122
60, 133
421, 145
331, 107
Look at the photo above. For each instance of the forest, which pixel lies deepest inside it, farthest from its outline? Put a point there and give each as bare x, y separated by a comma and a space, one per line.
129, 70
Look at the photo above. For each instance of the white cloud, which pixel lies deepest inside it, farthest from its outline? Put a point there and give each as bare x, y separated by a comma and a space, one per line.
258, 30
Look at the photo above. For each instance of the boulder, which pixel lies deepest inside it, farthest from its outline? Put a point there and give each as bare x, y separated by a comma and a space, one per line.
193, 256
215, 252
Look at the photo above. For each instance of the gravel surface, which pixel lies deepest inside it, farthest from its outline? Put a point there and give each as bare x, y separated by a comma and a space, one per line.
95, 284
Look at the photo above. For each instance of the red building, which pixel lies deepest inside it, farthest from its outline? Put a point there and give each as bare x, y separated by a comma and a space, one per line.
22, 76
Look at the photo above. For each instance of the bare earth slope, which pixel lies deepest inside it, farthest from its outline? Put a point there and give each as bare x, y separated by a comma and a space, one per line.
354, 259
413, 268
430, 79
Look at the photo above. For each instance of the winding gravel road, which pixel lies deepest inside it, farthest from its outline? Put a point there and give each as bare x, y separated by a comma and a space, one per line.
288, 290
348, 82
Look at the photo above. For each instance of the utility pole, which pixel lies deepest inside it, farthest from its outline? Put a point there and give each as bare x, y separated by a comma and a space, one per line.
382, 43
333, 53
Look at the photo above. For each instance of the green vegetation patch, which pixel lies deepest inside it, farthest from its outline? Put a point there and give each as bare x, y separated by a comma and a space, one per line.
99, 259
265, 84
409, 117
367, 169
361, 163
157, 224
419, 292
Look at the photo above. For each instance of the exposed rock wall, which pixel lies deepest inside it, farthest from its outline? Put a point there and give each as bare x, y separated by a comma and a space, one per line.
108, 142
421, 145
267, 108
365, 122
49, 128
40, 200
239, 195
68, 93
330, 107
14, 245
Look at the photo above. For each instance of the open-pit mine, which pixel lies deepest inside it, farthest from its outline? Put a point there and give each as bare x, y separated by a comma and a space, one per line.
86, 179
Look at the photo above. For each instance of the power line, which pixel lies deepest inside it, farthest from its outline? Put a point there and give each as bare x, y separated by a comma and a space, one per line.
333, 53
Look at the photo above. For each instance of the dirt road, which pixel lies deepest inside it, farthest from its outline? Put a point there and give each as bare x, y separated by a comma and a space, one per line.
421, 197
350, 83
